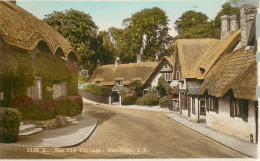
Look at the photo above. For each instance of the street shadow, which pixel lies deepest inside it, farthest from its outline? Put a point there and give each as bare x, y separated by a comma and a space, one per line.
101, 116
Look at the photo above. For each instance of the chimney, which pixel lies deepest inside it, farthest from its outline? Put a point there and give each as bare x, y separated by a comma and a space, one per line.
98, 63
229, 24
247, 16
117, 61
140, 56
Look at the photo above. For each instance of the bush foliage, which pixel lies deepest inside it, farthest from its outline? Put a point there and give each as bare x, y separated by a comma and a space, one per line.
22, 101
37, 111
47, 108
149, 99
98, 90
67, 107
166, 102
163, 87
128, 100
9, 124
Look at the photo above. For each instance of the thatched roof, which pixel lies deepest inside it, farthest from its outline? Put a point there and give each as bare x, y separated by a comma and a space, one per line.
23, 30
108, 74
215, 51
236, 72
189, 52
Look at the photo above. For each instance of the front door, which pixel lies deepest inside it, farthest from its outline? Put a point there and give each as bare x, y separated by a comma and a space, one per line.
202, 107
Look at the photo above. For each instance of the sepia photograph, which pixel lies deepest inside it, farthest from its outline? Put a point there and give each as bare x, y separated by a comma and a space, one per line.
134, 79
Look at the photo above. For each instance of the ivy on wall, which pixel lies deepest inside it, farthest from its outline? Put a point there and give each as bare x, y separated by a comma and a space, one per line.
20, 68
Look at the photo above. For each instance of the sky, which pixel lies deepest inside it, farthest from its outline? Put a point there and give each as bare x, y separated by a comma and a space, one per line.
107, 14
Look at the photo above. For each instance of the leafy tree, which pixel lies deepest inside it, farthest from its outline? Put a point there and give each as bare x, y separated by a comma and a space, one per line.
194, 24
80, 30
148, 29
190, 19
163, 87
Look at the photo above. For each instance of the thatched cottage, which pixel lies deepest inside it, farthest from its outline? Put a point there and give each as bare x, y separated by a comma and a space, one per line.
224, 78
120, 75
35, 60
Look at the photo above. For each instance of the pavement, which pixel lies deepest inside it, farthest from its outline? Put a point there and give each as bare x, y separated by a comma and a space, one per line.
66, 136
239, 145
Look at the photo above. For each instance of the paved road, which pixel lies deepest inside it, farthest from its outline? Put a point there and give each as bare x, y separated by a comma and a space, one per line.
131, 133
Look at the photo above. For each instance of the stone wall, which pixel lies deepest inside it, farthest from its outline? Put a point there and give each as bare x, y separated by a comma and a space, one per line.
58, 121
95, 98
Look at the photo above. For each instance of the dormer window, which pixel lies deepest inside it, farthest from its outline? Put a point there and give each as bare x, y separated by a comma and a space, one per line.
98, 82
118, 82
167, 76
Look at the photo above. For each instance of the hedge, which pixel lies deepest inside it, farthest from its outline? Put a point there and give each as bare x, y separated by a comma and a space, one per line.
98, 90
165, 102
36, 111
68, 107
9, 124
128, 100
47, 108
149, 99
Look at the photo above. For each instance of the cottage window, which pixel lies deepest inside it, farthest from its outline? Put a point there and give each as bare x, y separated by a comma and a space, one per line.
193, 105
167, 76
98, 82
118, 82
178, 75
239, 108
35, 92
213, 104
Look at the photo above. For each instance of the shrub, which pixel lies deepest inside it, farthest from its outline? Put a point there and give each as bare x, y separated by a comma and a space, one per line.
49, 104
163, 87
22, 101
37, 111
9, 124
98, 90
78, 100
137, 87
165, 102
67, 107
148, 99
128, 100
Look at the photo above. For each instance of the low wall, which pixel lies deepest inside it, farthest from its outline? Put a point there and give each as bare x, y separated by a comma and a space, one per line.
58, 121
95, 98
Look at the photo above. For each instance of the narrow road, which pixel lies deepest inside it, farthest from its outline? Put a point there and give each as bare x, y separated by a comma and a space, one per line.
131, 133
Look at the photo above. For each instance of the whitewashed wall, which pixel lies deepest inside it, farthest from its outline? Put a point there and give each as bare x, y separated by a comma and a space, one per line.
155, 79
223, 122
194, 117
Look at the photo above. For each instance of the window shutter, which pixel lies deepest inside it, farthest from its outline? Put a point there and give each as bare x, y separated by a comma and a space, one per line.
231, 107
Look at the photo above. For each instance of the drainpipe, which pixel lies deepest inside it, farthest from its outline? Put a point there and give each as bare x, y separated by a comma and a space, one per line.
198, 109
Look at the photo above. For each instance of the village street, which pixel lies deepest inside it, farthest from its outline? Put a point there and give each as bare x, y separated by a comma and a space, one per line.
131, 133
